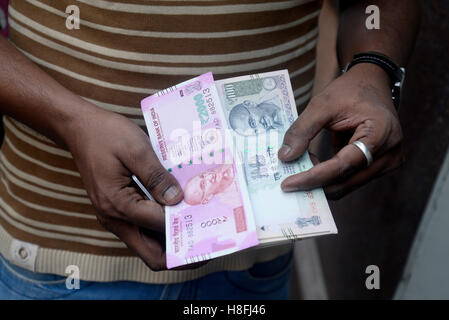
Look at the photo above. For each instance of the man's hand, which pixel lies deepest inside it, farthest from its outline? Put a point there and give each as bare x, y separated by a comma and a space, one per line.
358, 105
108, 149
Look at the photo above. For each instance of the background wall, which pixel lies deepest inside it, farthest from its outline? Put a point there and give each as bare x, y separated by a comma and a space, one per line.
3, 17
377, 223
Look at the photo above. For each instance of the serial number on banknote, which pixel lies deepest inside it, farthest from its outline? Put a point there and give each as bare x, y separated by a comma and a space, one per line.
200, 101
189, 230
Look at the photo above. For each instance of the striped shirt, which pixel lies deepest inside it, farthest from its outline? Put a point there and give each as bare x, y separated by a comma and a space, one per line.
124, 51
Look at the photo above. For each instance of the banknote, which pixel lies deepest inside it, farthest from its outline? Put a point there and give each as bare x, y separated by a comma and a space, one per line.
259, 109
186, 126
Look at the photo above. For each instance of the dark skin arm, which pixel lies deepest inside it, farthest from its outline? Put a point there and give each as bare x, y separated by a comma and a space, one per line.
358, 104
107, 149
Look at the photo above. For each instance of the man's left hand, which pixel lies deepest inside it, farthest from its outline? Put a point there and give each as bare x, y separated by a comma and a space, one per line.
358, 104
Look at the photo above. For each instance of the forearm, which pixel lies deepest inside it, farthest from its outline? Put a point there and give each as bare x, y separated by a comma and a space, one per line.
31, 96
399, 22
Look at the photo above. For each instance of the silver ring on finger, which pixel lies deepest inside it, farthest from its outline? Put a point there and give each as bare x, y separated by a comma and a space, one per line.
365, 151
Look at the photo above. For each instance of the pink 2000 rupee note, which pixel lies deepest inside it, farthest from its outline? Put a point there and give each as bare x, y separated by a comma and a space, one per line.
187, 131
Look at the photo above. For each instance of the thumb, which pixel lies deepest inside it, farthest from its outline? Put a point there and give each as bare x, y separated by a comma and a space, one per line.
303, 130
159, 182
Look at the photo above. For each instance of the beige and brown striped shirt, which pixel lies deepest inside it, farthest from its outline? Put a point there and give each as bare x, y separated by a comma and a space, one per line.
124, 51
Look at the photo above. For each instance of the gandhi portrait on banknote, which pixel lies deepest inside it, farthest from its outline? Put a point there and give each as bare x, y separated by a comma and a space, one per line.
250, 118
200, 189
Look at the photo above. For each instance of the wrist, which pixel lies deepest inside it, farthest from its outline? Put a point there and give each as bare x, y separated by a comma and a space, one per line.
373, 75
76, 117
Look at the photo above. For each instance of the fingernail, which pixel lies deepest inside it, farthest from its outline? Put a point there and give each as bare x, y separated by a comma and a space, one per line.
284, 151
291, 188
171, 193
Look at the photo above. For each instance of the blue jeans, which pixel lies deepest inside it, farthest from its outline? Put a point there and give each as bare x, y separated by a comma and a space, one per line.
266, 280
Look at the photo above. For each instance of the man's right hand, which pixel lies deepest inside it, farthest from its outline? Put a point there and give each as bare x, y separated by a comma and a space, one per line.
108, 149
